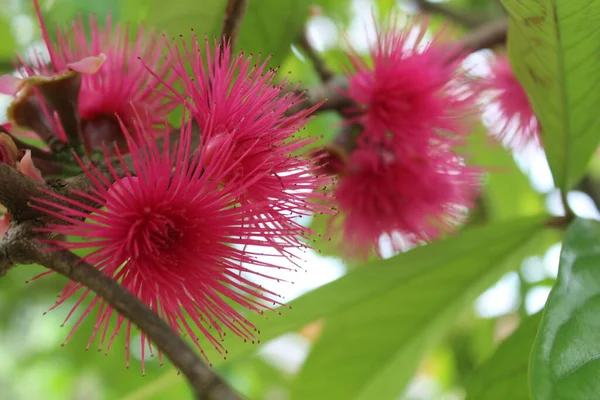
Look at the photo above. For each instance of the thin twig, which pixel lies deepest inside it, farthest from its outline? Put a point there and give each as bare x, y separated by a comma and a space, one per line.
486, 36
324, 73
234, 13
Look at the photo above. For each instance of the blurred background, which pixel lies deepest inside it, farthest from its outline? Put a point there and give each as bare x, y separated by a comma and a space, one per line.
36, 365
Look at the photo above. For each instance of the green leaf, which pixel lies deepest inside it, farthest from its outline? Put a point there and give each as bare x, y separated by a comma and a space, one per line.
271, 26
7, 45
183, 15
391, 330
268, 27
504, 375
508, 192
553, 46
473, 248
387, 6
565, 362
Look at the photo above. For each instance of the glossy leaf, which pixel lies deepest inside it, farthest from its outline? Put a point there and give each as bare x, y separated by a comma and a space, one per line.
504, 375
565, 362
553, 47
507, 192
371, 350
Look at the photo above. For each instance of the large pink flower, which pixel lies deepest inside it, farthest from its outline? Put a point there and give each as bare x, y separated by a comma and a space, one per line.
121, 85
235, 100
173, 233
409, 198
516, 124
411, 92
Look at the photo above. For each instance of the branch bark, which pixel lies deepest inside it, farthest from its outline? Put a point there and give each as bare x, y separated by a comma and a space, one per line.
234, 13
206, 383
486, 36
16, 190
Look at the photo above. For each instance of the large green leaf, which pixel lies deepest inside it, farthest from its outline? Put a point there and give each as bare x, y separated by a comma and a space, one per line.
565, 361
271, 26
508, 192
553, 47
183, 15
268, 27
504, 375
484, 244
371, 349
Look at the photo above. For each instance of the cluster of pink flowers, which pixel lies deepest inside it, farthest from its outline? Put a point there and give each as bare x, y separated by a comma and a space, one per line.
184, 218
403, 178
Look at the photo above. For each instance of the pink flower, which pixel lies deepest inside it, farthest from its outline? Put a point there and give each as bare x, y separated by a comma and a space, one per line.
516, 124
409, 198
26, 167
401, 178
19, 159
115, 81
172, 232
4, 222
235, 100
411, 92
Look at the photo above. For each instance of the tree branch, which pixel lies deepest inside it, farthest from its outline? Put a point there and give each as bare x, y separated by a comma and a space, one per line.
16, 190
206, 383
486, 36
234, 13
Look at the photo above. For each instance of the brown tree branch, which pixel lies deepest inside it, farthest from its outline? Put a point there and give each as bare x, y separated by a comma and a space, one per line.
486, 36
16, 190
206, 383
234, 13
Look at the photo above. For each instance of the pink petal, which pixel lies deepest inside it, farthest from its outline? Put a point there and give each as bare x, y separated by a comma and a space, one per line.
88, 65
10, 84
4, 224
26, 167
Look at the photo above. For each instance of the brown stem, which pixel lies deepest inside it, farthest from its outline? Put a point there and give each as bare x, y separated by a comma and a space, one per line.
206, 383
486, 36
16, 190
234, 13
